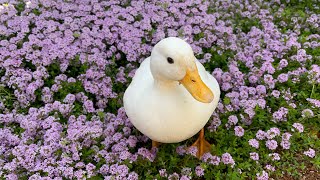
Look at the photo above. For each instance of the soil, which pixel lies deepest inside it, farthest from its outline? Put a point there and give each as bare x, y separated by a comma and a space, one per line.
310, 173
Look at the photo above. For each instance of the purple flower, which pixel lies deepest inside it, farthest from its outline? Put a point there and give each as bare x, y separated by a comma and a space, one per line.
270, 168
88, 105
125, 155
227, 159
199, 171
275, 93
271, 144
104, 169
254, 143
181, 150
254, 156
314, 102
261, 103
192, 150
282, 64
293, 105
285, 144
121, 170
261, 135
238, 131
146, 154
90, 168
163, 172
286, 136
132, 141
208, 158
280, 115
261, 89
273, 132
232, 120
11, 176
274, 156
173, 176
262, 176
311, 153
70, 98
184, 177
298, 126
283, 78
216, 122
133, 176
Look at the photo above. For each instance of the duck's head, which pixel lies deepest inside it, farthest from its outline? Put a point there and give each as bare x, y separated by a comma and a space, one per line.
172, 59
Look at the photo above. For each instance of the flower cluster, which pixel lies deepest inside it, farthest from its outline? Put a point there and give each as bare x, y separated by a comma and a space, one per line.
64, 66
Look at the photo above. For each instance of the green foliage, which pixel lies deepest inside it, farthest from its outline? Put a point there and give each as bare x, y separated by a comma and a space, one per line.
7, 97
20, 7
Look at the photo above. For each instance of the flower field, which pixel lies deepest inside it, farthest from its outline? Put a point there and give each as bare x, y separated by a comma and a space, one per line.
65, 65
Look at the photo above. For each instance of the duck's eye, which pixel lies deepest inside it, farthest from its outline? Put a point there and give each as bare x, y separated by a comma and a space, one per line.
170, 60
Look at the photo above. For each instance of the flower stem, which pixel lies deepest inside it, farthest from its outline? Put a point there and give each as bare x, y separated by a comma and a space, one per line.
312, 91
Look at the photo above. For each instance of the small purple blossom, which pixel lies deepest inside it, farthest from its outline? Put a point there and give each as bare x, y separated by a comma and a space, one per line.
273, 132
254, 143
226, 158
314, 102
208, 158
285, 144
254, 156
133, 176
271, 144
181, 150
238, 131
146, 154
192, 150
275, 93
70, 98
298, 126
283, 78
311, 153
199, 171
280, 115
173, 176
184, 177
274, 156
270, 167
163, 172
232, 120
261, 135
262, 176
283, 63
286, 136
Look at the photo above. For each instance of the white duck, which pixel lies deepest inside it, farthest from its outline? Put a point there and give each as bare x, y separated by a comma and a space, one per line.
163, 109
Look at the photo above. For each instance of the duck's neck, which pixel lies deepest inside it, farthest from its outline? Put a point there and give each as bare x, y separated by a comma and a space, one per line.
165, 84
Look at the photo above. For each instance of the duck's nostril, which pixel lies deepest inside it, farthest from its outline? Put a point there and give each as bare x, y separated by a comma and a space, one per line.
193, 80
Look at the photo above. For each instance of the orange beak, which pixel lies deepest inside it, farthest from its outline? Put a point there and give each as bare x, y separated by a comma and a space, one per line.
196, 87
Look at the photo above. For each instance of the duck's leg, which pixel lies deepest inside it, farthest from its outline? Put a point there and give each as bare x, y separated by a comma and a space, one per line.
155, 144
202, 145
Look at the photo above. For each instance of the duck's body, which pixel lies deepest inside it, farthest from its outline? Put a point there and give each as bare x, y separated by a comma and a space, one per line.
165, 111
